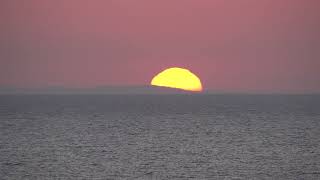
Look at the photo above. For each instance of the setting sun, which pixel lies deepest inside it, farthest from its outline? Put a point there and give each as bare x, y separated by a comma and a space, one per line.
177, 78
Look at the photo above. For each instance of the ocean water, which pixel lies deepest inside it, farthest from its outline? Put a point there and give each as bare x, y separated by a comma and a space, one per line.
159, 137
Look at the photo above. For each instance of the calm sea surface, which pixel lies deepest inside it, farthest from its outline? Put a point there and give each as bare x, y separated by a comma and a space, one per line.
159, 137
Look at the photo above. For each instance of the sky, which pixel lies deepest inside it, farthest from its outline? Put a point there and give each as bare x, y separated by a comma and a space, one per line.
232, 45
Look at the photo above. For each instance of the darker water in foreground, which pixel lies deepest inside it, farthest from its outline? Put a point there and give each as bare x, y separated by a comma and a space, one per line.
159, 136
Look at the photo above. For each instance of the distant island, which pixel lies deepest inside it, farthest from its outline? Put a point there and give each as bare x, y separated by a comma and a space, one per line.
96, 90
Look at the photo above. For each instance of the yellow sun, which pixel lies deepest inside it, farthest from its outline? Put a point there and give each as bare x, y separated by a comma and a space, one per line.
177, 78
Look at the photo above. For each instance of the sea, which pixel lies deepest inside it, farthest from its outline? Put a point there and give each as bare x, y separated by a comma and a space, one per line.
170, 136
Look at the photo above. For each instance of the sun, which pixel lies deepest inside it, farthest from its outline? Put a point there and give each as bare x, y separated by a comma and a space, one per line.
179, 78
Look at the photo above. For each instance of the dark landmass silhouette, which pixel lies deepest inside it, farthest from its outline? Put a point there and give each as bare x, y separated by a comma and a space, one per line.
96, 90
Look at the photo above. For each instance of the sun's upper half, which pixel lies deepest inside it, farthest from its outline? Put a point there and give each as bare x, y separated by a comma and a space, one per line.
179, 78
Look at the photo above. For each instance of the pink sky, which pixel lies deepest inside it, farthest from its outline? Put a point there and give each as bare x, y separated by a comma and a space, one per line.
244, 45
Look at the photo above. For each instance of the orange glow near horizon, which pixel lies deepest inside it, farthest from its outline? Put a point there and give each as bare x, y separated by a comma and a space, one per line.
177, 78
